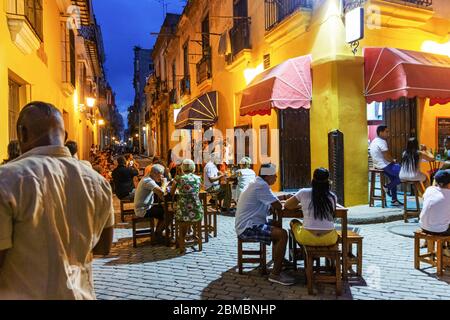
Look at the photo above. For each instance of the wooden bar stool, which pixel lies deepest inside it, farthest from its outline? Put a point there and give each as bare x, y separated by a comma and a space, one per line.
434, 255
354, 257
126, 212
257, 256
195, 239
407, 212
147, 232
373, 178
330, 273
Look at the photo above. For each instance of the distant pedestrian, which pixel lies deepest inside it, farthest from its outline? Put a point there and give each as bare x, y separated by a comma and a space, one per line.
125, 180
73, 148
13, 151
55, 213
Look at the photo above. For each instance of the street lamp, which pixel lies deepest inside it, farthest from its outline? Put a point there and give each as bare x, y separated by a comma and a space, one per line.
90, 102
101, 122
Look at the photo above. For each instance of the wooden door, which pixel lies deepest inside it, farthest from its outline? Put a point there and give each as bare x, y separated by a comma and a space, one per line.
401, 118
295, 148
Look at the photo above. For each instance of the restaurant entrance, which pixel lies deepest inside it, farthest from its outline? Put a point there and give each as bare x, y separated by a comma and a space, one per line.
295, 148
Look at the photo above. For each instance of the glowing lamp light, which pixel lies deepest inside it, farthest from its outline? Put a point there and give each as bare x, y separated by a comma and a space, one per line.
101, 122
90, 102
144, 128
137, 135
251, 73
436, 48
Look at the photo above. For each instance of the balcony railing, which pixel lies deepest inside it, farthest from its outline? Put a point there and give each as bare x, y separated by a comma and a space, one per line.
185, 86
204, 68
277, 10
351, 4
240, 36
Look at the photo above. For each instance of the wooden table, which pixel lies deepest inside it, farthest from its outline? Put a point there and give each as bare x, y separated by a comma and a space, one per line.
341, 213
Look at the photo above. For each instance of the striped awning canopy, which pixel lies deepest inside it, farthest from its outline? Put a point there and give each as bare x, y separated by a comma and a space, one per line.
203, 109
391, 73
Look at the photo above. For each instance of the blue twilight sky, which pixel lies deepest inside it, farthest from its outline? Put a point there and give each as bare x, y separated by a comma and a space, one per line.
125, 24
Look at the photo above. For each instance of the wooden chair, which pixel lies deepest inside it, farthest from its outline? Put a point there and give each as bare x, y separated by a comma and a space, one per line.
210, 216
407, 212
142, 232
295, 252
354, 257
195, 239
434, 255
126, 212
330, 273
256, 256
373, 197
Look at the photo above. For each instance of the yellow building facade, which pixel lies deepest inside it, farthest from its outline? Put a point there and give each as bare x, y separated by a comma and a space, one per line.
43, 57
315, 28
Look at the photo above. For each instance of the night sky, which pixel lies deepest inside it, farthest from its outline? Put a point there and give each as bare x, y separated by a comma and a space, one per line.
125, 24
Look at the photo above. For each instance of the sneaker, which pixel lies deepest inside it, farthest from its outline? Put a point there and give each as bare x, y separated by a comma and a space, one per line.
396, 203
283, 279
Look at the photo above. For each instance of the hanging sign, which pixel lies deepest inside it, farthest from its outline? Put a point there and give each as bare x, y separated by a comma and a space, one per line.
354, 25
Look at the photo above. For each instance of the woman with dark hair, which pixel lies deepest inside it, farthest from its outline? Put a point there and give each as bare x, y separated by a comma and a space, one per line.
319, 210
13, 151
411, 159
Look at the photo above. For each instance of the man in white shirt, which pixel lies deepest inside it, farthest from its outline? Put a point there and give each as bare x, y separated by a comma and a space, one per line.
55, 213
212, 176
144, 199
435, 215
383, 160
252, 224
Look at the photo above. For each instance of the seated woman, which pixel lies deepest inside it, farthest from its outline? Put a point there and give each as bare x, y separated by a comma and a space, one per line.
435, 215
411, 159
319, 210
244, 175
189, 207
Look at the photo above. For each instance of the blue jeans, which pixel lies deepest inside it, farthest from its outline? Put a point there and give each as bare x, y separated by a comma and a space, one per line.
393, 171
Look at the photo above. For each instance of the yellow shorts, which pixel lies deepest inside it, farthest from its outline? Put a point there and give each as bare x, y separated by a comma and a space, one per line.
307, 238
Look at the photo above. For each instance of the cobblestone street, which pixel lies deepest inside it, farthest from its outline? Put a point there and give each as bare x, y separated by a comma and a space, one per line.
150, 272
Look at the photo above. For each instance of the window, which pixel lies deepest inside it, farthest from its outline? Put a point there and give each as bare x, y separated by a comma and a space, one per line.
13, 108
33, 13
205, 36
186, 58
174, 75
265, 140
69, 61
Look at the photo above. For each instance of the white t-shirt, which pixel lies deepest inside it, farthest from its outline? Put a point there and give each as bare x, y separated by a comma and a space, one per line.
144, 196
435, 215
309, 222
211, 171
254, 205
244, 177
53, 210
377, 147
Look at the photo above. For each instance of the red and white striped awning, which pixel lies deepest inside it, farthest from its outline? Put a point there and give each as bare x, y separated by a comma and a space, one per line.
287, 85
393, 73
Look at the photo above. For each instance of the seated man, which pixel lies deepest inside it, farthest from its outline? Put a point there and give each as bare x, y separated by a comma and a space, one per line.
124, 179
252, 224
144, 200
435, 215
383, 160
212, 177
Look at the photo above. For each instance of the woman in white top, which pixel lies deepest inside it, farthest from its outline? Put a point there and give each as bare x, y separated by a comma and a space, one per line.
435, 215
244, 175
319, 211
411, 159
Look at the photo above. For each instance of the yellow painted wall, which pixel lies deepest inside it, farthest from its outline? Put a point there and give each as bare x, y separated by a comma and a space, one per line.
42, 75
338, 101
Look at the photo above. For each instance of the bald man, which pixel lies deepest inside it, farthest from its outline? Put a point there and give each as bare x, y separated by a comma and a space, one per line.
55, 214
